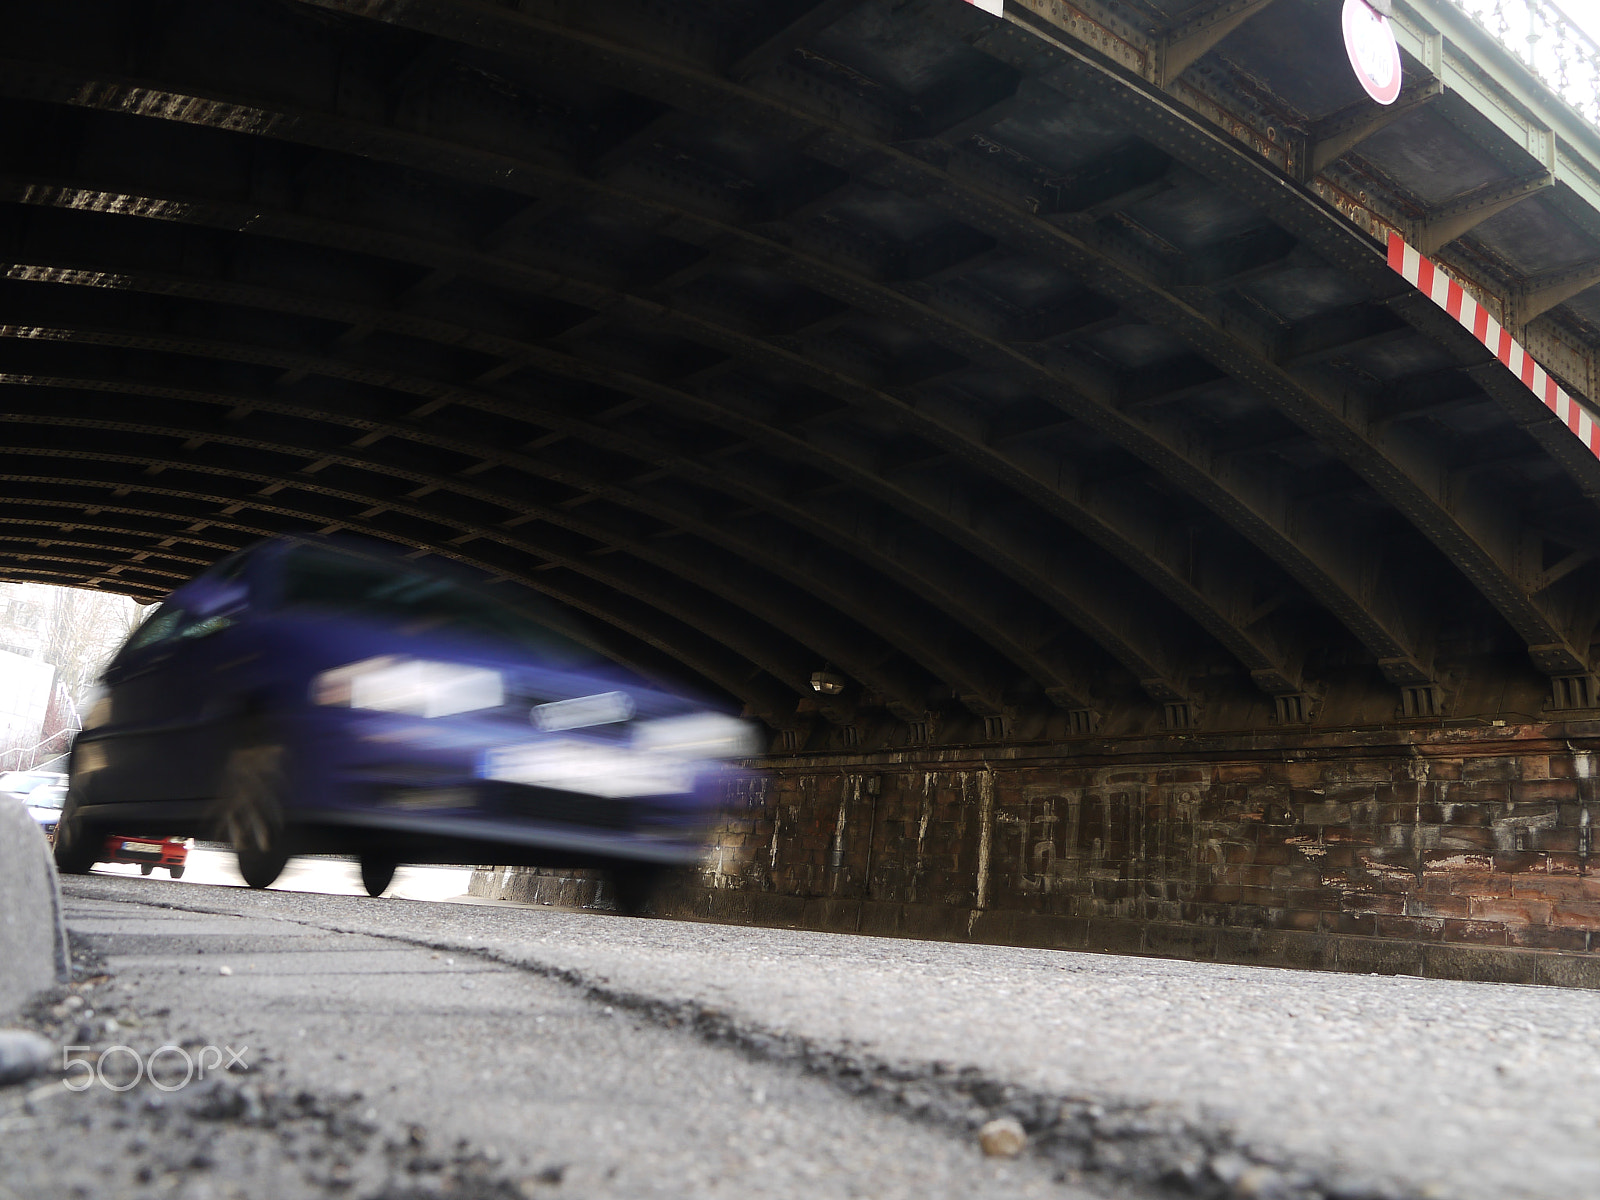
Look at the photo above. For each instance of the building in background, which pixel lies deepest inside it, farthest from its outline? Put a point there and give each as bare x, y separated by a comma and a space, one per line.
54, 641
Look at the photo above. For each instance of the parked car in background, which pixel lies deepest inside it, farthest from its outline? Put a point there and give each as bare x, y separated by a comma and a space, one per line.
318, 696
42, 792
21, 783
149, 852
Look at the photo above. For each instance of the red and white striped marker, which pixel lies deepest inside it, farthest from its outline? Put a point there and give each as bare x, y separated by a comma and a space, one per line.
1449, 295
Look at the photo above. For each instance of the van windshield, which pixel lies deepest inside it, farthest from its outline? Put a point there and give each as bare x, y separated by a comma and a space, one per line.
384, 592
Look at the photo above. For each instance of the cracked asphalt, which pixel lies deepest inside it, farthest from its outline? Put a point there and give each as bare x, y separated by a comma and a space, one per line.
551, 1052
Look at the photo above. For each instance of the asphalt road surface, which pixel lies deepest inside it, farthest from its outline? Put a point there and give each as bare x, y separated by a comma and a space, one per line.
402, 1049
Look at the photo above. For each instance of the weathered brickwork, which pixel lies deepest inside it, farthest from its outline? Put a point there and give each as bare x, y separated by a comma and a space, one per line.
1409, 851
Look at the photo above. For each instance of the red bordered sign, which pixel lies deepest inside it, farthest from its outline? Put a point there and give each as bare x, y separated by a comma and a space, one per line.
1374, 54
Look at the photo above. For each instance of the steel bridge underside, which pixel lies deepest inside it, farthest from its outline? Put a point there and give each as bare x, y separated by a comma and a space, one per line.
938, 352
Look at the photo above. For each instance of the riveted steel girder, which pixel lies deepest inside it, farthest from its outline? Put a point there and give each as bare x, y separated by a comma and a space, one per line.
84, 497
829, 639
1215, 613
763, 425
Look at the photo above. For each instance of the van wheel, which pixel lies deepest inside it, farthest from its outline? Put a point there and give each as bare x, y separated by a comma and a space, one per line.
145, 868
175, 872
252, 811
77, 842
377, 873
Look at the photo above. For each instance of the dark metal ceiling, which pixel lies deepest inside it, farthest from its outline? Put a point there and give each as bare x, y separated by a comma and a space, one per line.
888, 338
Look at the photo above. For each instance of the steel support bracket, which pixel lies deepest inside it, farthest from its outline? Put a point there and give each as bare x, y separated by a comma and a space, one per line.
1553, 658
1456, 217
1423, 700
1544, 292
1403, 672
1574, 692
1164, 690
1334, 137
1185, 44
1275, 683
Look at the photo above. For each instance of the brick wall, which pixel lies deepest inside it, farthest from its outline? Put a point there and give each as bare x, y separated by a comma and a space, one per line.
1448, 852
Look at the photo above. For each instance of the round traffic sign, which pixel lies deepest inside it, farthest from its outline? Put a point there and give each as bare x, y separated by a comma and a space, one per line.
1374, 53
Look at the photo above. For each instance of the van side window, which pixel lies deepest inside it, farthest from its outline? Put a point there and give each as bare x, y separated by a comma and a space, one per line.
158, 628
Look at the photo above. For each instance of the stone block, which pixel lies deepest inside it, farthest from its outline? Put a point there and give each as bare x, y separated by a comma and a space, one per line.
1543, 791
1557, 887
1575, 914
1428, 905
1478, 933
1237, 945
1490, 966
1351, 923
1509, 911
1505, 767
1114, 936
1465, 837
1171, 940
1414, 928
770, 908
1547, 937
1306, 919
1379, 956
1567, 970
1292, 948
1563, 839
1373, 902
1273, 854
1518, 861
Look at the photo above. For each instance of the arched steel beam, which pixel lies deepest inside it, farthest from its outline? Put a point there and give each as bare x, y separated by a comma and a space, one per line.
1305, 216
764, 701
1330, 564
691, 606
725, 578
1033, 657
1215, 613
99, 567
25, 573
49, 533
177, 567
66, 523
1479, 538
692, 610
827, 642
905, 690
1082, 602
1075, 599
1479, 533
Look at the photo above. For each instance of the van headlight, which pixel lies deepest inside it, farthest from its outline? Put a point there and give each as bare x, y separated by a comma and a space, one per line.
698, 735
414, 686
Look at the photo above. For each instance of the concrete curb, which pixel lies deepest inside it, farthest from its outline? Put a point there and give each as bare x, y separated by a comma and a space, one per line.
33, 936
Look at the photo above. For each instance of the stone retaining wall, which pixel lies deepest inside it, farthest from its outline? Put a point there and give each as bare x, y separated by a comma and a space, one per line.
1461, 852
